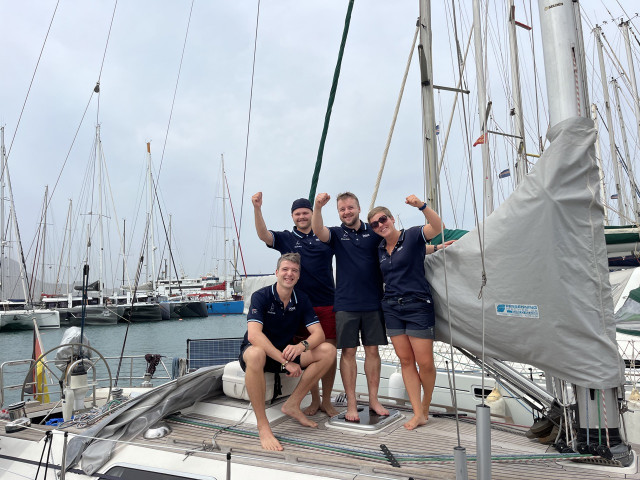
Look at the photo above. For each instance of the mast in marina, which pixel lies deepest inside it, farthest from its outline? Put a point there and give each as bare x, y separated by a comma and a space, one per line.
622, 209
3, 296
627, 156
521, 162
430, 146
224, 231
483, 112
151, 249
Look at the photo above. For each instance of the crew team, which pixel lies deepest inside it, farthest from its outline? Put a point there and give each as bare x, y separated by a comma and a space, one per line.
296, 325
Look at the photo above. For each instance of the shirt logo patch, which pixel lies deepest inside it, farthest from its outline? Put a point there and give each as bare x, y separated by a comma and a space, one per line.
254, 310
272, 309
292, 308
365, 235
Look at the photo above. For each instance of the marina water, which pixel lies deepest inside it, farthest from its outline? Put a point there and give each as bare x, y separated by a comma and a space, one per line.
168, 338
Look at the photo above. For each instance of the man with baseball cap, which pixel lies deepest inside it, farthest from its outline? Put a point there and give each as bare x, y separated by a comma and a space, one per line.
316, 280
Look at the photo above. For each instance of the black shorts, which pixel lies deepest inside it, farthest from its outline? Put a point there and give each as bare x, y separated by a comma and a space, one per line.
270, 365
350, 326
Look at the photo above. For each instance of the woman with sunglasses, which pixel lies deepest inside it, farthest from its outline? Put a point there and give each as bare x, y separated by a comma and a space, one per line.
407, 302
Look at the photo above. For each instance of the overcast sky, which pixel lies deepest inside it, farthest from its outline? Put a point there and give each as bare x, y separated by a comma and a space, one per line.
297, 49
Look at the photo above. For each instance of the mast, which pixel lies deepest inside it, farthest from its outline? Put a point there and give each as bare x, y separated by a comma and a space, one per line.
627, 157
170, 255
622, 209
224, 228
124, 237
2, 219
14, 217
482, 109
430, 147
636, 101
603, 187
100, 231
521, 162
151, 244
69, 255
564, 61
44, 237
568, 97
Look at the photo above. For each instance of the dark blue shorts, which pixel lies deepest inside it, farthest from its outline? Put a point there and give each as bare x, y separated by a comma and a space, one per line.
411, 315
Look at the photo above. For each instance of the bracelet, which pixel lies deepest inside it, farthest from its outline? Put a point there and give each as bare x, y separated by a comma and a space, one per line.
435, 248
286, 362
423, 206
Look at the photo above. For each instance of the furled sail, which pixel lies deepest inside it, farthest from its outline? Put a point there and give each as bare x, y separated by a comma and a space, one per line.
547, 300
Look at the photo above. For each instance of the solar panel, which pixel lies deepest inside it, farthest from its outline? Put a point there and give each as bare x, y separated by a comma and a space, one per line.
205, 352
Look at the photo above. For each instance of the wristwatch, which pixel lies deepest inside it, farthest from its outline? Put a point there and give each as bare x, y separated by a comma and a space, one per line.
435, 248
305, 344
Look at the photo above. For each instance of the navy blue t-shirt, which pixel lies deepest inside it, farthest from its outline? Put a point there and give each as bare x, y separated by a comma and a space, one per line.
358, 278
403, 270
316, 271
279, 323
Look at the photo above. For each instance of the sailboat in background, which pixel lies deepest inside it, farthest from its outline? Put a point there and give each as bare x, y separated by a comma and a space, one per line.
223, 299
17, 314
96, 311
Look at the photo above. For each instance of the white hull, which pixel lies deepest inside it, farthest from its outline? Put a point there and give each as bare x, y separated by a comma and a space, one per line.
23, 319
197, 448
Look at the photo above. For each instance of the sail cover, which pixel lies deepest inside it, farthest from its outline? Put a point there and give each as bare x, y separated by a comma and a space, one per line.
547, 299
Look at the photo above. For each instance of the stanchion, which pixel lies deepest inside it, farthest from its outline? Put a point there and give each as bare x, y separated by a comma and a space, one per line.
483, 442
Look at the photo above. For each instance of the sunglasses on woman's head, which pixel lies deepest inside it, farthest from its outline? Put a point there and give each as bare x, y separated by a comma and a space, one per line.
380, 221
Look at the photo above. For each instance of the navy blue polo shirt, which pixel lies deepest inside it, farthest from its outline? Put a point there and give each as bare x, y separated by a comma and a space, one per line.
358, 278
403, 270
316, 271
279, 323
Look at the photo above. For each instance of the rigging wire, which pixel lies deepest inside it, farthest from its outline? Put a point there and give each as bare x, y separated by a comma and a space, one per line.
175, 92
166, 136
96, 90
35, 70
104, 55
393, 121
246, 145
332, 95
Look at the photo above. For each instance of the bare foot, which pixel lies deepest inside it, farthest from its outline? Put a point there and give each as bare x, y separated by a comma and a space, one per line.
329, 409
295, 412
313, 408
377, 407
425, 411
352, 414
268, 441
415, 422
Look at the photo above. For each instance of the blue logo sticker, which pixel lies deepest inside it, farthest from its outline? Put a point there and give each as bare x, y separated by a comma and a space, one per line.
517, 310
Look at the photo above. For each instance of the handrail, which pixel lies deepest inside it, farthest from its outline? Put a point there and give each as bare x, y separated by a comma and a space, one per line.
137, 364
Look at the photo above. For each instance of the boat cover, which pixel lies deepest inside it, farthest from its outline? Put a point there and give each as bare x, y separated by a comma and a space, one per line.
96, 446
251, 284
547, 299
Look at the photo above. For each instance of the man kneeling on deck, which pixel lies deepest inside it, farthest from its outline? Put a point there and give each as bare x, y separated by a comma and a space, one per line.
274, 316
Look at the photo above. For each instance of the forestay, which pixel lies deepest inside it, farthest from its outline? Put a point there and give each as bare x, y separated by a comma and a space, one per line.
547, 301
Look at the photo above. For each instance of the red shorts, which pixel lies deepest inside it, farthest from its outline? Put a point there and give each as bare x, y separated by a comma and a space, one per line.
327, 318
